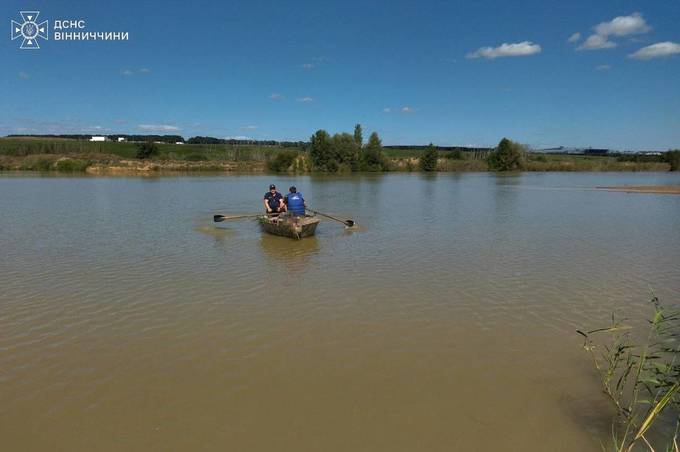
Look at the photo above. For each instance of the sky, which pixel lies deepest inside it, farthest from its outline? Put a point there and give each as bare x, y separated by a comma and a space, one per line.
542, 72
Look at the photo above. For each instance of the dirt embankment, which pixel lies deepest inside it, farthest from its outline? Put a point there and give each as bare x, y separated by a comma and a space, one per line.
146, 167
113, 165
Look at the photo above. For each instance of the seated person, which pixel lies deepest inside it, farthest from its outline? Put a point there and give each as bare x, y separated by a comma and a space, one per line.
273, 201
295, 203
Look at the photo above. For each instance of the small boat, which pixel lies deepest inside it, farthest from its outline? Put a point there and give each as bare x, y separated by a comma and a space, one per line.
289, 226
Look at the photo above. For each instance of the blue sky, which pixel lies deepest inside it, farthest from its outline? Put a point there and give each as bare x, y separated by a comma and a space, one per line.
414, 71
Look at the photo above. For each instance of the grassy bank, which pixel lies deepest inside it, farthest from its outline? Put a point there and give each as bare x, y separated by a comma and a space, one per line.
64, 155
407, 160
100, 157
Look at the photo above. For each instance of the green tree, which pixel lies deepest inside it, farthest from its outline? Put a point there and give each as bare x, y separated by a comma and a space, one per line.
358, 135
346, 151
372, 158
146, 150
508, 156
673, 157
428, 160
321, 152
282, 161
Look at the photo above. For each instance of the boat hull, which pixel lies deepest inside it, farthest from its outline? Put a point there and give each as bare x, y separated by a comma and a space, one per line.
293, 227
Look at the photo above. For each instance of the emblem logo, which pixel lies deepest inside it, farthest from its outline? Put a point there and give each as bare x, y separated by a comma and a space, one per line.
30, 30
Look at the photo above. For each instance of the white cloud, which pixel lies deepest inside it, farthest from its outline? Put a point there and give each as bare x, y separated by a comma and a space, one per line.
407, 109
238, 137
623, 26
307, 66
276, 96
595, 42
387, 110
523, 48
23, 75
619, 26
574, 38
603, 67
249, 127
127, 72
305, 99
145, 70
658, 50
158, 127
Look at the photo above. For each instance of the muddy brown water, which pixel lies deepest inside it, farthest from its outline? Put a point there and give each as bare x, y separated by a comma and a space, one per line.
446, 321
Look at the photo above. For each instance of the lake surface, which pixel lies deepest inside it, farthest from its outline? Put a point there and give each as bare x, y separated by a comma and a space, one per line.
446, 321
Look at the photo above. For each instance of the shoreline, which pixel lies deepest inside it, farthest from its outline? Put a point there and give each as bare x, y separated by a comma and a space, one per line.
71, 156
111, 165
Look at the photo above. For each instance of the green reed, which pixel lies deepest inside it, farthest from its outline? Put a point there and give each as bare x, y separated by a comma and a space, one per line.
640, 378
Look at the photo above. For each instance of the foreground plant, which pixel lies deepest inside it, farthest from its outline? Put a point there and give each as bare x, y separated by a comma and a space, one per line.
642, 380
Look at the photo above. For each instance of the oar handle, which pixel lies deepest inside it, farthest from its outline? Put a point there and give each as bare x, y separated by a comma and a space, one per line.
348, 223
220, 218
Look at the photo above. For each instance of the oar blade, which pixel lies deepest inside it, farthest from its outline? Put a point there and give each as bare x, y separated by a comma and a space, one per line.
218, 218
348, 223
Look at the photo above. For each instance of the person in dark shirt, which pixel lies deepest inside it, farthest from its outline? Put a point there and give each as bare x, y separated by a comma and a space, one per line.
273, 200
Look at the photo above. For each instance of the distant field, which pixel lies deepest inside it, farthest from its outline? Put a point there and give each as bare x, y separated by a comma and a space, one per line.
565, 162
476, 161
21, 147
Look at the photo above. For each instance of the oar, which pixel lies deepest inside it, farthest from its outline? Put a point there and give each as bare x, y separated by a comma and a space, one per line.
348, 223
220, 218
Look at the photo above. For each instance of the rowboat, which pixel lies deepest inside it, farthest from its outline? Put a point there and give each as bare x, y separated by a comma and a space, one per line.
289, 226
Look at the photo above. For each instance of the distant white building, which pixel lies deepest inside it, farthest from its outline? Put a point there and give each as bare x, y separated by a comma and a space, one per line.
179, 142
121, 139
98, 138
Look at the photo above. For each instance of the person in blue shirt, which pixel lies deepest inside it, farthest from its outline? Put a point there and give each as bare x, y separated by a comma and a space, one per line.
273, 201
295, 203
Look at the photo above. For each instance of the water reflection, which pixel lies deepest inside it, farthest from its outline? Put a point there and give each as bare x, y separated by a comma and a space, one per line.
506, 196
294, 254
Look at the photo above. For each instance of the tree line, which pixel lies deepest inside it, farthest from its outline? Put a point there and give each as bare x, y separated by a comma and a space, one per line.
170, 139
439, 148
346, 152
234, 141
